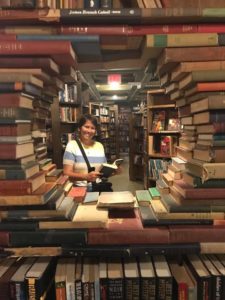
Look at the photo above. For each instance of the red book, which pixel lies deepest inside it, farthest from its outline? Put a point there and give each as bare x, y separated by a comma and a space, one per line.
78, 193
188, 192
15, 129
22, 187
206, 87
7, 37
124, 220
129, 30
153, 235
94, 30
197, 234
14, 151
26, 16
55, 49
15, 100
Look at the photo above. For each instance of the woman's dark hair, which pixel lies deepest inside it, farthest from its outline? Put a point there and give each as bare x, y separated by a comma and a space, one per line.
86, 118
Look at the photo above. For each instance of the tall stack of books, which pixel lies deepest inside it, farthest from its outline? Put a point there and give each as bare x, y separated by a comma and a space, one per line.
194, 184
31, 188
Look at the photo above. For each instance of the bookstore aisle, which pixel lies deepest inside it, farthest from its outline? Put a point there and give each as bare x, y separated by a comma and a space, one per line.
122, 182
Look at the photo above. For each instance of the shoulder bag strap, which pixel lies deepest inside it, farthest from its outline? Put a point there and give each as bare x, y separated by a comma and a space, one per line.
84, 155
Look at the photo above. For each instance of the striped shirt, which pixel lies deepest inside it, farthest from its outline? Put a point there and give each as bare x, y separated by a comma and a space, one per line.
74, 157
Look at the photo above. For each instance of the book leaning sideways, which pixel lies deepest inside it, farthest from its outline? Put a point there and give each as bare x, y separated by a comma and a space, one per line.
108, 169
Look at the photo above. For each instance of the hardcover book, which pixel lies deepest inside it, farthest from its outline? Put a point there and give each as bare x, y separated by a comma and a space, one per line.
108, 169
38, 277
202, 276
88, 216
147, 278
164, 278
122, 200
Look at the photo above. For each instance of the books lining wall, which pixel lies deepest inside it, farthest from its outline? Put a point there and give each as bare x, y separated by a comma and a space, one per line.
148, 277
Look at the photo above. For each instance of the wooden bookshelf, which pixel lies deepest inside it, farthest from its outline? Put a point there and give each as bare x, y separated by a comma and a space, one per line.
136, 154
162, 135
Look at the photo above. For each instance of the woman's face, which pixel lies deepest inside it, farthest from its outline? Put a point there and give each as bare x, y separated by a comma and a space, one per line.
87, 131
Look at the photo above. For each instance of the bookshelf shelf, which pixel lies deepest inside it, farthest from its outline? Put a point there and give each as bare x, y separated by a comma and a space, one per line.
69, 104
161, 106
159, 155
163, 133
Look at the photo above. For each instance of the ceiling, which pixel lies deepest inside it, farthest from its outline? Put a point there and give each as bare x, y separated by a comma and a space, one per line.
120, 54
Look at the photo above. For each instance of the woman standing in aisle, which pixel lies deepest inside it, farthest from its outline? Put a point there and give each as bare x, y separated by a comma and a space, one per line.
74, 164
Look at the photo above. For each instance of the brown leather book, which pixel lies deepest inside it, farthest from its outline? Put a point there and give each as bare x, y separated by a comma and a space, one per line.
171, 56
22, 187
54, 49
14, 151
40, 196
197, 234
152, 235
15, 129
45, 63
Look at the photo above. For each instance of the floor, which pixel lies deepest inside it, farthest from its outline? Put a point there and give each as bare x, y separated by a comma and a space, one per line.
121, 182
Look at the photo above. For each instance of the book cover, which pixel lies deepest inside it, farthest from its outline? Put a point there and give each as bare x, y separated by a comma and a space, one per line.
147, 278
17, 282
123, 220
164, 278
89, 216
123, 200
201, 274
158, 123
131, 278
22, 187
108, 169
68, 238
15, 151
115, 279
40, 196
38, 276
187, 191
91, 198
143, 197
78, 193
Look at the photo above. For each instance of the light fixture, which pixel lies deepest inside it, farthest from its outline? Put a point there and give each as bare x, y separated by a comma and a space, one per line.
114, 80
114, 97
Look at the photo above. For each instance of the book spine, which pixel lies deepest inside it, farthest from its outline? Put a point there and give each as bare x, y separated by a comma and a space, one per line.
213, 171
122, 16
148, 289
78, 290
115, 289
103, 288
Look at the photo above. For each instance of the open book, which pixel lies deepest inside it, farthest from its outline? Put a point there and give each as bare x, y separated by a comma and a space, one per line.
108, 169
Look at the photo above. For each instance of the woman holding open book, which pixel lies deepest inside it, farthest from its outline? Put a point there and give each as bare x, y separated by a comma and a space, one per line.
74, 164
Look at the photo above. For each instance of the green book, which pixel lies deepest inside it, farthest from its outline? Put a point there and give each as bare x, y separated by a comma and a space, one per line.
154, 193
143, 197
91, 198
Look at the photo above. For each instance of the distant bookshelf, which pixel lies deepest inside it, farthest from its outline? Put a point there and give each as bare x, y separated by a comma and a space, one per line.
163, 132
136, 153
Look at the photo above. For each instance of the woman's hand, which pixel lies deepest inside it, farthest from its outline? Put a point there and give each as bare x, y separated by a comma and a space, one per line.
92, 176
